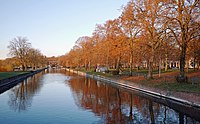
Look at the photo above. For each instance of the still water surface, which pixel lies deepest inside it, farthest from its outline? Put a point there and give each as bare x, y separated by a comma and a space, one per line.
56, 98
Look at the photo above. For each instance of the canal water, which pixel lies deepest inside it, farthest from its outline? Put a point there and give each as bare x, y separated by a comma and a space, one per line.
64, 98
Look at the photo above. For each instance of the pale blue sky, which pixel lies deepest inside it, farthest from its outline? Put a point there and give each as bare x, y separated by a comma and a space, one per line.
53, 26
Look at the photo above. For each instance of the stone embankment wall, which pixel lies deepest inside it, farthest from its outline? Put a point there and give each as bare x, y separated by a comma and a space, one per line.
16, 79
182, 105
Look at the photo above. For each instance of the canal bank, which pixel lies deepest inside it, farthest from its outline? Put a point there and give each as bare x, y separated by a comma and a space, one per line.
7, 83
171, 98
58, 96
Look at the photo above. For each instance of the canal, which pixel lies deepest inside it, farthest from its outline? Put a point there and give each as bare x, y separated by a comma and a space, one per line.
61, 97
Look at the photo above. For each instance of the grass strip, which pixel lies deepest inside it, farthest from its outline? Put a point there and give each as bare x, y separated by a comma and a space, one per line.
179, 87
4, 75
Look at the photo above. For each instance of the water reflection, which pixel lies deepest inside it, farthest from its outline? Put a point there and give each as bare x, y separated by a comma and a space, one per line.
55, 94
20, 97
116, 105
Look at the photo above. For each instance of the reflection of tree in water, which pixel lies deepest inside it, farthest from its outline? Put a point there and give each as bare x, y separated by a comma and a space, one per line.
117, 106
21, 95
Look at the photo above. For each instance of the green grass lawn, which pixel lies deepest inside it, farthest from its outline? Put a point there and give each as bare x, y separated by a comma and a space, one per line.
145, 71
179, 87
4, 75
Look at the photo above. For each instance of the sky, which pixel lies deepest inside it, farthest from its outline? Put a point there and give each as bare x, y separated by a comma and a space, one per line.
53, 26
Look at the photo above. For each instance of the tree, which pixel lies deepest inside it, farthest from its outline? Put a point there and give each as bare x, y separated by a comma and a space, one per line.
36, 58
101, 53
114, 42
130, 26
19, 48
85, 44
22, 51
62, 60
150, 17
193, 52
183, 24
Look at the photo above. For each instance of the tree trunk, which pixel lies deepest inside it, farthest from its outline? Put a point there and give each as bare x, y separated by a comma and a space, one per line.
150, 72
187, 65
131, 55
131, 63
118, 64
182, 77
194, 64
23, 68
86, 65
89, 65
159, 69
166, 63
138, 67
182, 62
115, 64
107, 59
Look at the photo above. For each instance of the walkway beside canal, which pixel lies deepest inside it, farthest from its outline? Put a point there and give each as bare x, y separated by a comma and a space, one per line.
190, 99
